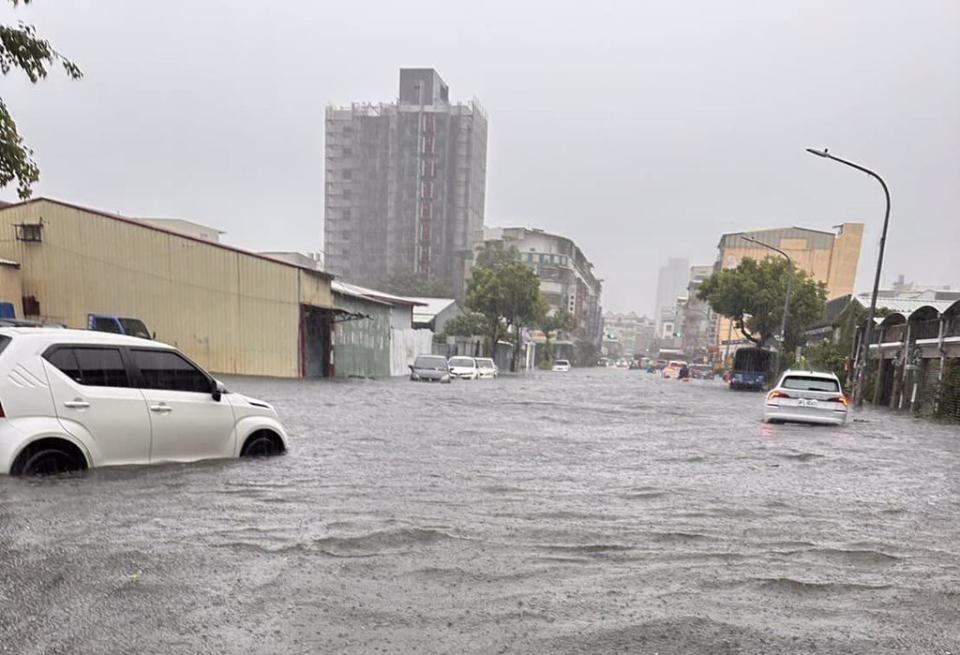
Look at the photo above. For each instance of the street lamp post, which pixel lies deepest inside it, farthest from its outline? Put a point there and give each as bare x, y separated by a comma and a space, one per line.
786, 300
864, 351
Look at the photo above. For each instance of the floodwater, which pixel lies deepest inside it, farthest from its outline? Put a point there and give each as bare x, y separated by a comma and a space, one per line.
596, 511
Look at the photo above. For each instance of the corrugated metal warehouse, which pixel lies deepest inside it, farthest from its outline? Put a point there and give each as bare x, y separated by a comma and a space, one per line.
232, 311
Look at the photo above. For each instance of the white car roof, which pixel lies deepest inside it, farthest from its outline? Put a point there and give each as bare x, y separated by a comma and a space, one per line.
44, 335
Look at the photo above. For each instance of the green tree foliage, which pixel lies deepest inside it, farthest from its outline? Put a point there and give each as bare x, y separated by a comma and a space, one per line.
752, 295
506, 292
559, 321
468, 324
412, 284
21, 48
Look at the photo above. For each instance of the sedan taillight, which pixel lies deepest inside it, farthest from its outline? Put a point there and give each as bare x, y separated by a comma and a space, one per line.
841, 399
777, 394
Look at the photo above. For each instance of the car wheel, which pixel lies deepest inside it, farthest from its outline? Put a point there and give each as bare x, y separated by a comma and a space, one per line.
47, 460
262, 444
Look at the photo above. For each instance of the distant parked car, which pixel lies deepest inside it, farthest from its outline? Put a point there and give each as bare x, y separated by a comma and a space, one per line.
806, 397
76, 399
464, 368
487, 367
430, 368
561, 365
702, 372
133, 327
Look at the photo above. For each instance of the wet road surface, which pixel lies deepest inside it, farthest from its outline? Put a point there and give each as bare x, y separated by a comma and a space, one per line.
596, 511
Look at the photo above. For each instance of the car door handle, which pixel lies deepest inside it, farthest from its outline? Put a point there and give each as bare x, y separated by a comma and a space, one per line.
161, 408
76, 404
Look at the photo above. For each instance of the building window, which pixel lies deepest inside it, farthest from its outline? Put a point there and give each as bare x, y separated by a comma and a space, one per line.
345, 213
347, 193
347, 152
30, 232
347, 174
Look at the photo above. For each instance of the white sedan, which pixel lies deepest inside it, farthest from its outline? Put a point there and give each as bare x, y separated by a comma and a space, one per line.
464, 368
807, 397
75, 399
487, 368
561, 365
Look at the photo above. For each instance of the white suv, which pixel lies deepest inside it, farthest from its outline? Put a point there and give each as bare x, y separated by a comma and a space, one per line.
73, 399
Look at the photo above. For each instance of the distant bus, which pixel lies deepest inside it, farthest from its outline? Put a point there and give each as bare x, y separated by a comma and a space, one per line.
751, 368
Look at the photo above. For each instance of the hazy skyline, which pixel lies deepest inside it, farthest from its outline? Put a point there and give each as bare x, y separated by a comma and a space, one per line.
640, 130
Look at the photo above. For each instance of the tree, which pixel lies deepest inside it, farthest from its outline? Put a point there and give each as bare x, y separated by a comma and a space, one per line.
412, 284
21, 48
506, 292
753, 293
468, 324
560, 320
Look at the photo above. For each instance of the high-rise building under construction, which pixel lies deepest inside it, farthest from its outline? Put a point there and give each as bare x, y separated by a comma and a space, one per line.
405, 184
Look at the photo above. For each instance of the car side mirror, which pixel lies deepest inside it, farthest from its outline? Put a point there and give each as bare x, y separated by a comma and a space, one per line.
217, 390
410, 366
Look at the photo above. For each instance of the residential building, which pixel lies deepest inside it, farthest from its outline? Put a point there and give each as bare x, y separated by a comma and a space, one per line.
697, 320
827, 257
405, 184
634, 333
671, 283
230, 310
567, 280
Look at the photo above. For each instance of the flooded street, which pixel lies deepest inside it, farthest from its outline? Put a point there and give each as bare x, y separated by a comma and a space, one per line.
595, 511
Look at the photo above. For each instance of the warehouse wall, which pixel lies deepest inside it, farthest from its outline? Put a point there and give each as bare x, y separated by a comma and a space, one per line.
233, 312
361, 347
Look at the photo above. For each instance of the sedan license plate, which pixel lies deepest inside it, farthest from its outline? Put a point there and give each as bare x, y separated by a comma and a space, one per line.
806, 402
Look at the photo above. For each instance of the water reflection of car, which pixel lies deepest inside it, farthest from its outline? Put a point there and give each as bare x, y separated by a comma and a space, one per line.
561, 365
97, 399
487, 368
806, 397
430, 368
464, 368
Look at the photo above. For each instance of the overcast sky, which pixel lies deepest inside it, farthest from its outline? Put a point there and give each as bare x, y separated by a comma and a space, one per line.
640, 129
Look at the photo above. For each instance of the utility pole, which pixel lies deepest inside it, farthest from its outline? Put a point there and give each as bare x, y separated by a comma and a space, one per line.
864, 353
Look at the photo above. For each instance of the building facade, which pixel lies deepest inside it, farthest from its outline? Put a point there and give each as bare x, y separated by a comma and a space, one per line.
567, 280
405, 184
671, 284
230, 310
827, 257
634, 333
697, 322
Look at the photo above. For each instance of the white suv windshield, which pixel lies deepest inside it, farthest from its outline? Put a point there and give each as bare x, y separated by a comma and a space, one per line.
430, 362
462, 361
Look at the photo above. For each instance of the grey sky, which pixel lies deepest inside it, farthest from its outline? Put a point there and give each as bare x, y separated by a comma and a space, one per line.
639, 129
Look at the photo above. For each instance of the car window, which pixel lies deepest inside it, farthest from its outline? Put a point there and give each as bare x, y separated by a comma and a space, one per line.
135, 328
165, 369
430, 362
462, 361
807, 383
97, 367
66, 362
4, 342
103, 324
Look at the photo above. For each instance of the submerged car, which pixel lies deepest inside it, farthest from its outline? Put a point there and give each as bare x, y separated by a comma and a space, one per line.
807, 397
561, 365
430, 368
464, 368
77, 399
487, 368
